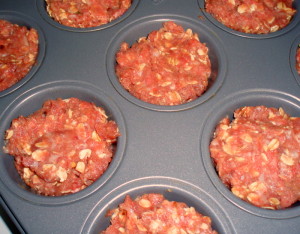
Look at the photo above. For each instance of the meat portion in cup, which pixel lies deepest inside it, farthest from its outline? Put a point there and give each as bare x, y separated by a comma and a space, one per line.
257, 155
63, 147
298, 60
152, 213
168, 67
252, 16
86, 13
19, 47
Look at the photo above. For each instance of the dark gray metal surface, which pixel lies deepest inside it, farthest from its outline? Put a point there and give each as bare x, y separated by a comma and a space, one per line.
162, 149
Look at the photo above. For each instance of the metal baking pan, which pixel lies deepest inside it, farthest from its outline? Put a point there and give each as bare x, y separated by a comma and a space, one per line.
161, 149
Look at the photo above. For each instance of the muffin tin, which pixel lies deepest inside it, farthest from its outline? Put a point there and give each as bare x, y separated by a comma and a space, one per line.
161, 149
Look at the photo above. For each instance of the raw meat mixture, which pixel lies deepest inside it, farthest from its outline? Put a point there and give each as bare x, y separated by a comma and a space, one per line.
86, 13
152, 213
257, 156
169, 67
252, 16
63, 147
18, 52
298, 60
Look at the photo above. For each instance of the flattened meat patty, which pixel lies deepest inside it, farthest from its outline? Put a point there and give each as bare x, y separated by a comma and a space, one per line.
18, 52
63, 147
252, 16
257, 156
86, 13
169, 67
152, 213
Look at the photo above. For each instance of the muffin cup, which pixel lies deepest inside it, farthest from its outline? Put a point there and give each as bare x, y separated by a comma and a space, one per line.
268, 98
172, 189
141, 28
30, 102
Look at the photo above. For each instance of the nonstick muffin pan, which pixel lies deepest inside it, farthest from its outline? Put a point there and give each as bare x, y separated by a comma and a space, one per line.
162, 149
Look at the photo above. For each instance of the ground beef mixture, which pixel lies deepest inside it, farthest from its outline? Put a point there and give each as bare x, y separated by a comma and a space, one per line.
86, 13
152, 213
252, 16
63, 147
169, 67
18, 52
257, 156
298, 60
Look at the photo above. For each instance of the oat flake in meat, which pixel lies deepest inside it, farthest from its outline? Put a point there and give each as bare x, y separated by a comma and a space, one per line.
152, 213
86, 13
169, 67
63, 147
257, 156
252, 16
18, 52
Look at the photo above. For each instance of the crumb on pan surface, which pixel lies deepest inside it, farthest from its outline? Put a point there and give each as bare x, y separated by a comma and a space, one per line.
257, 156
18, 52
168, 67
86, 13
152, 213
63, 147
252, 16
